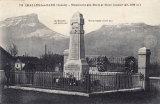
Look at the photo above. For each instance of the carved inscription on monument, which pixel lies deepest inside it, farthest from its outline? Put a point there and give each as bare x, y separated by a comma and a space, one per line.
74, 50
72, 67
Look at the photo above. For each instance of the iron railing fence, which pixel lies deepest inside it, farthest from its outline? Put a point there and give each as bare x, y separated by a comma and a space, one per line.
119, 64
48, 80
112, 65
80, 83
115, 81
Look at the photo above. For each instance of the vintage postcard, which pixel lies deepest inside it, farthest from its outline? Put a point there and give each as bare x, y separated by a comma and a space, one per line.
89, 36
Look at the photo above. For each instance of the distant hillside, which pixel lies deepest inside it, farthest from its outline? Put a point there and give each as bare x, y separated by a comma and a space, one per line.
123, 40
30, 35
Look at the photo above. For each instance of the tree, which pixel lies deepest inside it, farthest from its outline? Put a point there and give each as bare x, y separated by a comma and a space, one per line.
50, 61
12, 49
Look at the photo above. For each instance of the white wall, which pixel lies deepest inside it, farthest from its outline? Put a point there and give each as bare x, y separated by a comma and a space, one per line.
19, 66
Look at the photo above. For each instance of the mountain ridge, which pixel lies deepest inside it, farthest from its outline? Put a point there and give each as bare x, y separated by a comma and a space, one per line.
118, 40
29, 24
123, 40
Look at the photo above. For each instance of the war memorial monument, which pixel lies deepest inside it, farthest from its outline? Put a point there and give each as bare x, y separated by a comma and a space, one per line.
76, 63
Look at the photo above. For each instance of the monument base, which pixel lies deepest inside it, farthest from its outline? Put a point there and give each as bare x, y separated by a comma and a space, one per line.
76, 68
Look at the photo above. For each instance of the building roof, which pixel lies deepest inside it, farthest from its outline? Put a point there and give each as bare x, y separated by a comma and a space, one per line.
6, 53
25, 59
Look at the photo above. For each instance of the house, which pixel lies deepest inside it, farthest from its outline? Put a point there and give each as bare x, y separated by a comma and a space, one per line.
5, 58
22, 60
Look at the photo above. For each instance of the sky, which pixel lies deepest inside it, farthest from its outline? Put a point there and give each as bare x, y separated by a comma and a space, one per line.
146, 11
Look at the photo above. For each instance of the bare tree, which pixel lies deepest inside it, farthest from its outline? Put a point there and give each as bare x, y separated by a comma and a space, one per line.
12, 49
26, 54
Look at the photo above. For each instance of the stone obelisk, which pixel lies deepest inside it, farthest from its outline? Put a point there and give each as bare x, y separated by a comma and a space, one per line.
76, 63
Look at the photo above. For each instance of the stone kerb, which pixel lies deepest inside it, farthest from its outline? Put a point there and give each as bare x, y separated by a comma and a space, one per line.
143, 64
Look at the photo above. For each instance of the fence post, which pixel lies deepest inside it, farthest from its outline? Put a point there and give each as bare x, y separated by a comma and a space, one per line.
88, 80
117, 81
143, 64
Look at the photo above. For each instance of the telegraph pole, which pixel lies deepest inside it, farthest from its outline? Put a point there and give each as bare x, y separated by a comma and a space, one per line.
45, 57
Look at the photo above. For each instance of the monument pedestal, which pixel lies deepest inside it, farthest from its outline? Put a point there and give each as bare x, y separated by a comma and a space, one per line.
76, 68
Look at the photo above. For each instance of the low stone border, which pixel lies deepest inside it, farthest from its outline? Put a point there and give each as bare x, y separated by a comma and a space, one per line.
50, 91
154, 77
75, 93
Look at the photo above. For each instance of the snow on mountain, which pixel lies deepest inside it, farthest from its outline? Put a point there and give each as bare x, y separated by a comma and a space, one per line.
23, 20
28, 26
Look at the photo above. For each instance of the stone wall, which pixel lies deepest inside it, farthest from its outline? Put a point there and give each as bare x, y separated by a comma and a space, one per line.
154, 83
